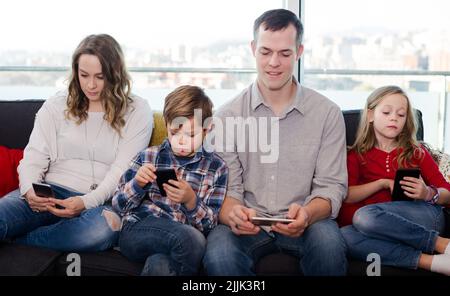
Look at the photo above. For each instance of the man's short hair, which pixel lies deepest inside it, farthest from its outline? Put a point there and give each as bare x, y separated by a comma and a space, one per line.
182, 102
276, 20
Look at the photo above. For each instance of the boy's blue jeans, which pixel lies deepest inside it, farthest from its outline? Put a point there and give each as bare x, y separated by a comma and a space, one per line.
167, 247
397, 231
321, 250
89, 232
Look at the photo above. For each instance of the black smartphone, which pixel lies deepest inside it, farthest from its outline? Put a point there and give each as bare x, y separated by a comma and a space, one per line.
398, 193
43, 190
163, 176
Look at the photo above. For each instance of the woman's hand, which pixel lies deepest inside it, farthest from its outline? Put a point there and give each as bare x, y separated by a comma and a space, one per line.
72, 207
415, 188
36, 203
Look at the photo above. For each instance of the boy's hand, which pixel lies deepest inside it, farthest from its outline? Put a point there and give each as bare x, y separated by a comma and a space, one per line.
181, 191
145, 174
414, 188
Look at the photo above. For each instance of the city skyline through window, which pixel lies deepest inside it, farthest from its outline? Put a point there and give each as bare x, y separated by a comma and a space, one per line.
345, 35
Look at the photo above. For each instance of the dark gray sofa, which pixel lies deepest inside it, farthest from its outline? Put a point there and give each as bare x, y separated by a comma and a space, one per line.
16, 122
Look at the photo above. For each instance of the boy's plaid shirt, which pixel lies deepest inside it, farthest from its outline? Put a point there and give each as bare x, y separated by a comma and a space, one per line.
207, 174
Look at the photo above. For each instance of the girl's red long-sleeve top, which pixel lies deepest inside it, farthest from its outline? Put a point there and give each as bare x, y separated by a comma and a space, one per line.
377, 164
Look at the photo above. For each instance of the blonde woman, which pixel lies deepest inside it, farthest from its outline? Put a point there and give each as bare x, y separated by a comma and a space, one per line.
81, 143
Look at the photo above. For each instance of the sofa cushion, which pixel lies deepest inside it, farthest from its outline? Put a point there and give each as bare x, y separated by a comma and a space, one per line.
278, 264
21, 260
159, 132
9, 160
441, 158
17, 121
444, 165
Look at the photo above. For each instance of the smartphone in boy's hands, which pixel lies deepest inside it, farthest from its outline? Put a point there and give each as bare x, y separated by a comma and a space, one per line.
398, 193
163, 176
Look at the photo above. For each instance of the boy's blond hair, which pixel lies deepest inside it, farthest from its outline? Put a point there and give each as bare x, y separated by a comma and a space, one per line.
182, 102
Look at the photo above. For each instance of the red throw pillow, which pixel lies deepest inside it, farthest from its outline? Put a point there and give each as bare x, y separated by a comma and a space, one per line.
9, 178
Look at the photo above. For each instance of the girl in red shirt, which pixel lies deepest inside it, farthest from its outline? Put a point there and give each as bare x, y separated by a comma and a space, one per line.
402, 233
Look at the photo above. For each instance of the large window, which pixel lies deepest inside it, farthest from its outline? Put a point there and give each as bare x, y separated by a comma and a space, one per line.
166, 43
353, 47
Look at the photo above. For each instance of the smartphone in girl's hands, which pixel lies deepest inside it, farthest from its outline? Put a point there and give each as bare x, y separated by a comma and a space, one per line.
398, 193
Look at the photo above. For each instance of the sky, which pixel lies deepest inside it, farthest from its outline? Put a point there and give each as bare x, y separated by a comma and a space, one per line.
60, 25
140, 23
328, 15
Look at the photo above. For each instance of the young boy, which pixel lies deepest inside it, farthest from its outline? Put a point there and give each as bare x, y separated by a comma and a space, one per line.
168, 232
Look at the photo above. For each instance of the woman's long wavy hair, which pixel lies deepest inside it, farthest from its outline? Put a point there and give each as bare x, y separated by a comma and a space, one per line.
406, 140
117, 85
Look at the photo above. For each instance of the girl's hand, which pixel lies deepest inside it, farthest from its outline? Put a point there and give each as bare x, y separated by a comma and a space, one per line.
181, 191
388, 184
72, 207
414, 188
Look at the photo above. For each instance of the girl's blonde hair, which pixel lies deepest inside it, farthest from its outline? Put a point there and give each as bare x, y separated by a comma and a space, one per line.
116, 92
365, 136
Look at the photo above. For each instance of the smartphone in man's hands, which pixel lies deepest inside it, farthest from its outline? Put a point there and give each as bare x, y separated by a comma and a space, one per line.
266, 221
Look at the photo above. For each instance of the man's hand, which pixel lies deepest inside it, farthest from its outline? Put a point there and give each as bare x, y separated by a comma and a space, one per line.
296, 228
36, 203
145, 174
73, 206
239, 218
